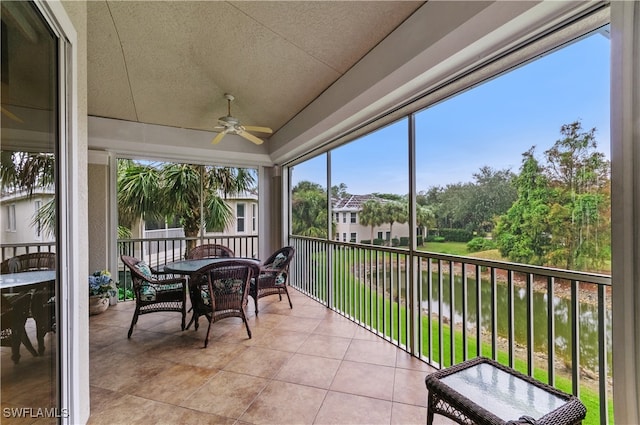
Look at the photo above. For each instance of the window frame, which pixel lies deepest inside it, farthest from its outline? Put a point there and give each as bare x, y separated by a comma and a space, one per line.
241, 218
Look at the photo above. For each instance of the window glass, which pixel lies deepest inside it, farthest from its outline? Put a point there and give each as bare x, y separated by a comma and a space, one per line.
381, 199
240, 217
529, 146
309, 198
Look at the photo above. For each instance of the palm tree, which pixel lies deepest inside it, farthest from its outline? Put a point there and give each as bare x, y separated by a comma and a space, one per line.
309, 210
151, 191
26, 171
425, 218
371, 215
394, 212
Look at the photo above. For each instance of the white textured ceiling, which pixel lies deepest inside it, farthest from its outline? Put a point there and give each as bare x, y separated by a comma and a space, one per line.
170, 63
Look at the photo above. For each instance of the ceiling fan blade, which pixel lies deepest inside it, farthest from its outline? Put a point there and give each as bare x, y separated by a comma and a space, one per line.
258, 129
217, 139
250, 137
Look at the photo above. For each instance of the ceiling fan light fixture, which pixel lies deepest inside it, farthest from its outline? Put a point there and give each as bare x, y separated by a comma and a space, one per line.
231, 125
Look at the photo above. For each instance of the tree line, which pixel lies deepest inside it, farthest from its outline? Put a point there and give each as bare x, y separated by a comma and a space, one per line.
555, 211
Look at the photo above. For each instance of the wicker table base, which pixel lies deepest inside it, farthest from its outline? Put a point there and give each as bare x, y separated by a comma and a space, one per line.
482, 391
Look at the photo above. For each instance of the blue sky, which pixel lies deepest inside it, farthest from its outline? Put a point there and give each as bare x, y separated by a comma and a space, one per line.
491, 124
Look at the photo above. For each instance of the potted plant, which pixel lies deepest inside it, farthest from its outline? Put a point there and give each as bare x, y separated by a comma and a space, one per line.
101, 289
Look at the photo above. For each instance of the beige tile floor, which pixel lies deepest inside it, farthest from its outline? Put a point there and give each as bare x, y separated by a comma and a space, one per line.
306, 365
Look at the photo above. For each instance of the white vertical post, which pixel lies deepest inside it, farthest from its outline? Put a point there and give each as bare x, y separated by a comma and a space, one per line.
625, 208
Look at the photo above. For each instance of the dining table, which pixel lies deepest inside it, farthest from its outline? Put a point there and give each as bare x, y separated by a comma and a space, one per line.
17, 291
188, 268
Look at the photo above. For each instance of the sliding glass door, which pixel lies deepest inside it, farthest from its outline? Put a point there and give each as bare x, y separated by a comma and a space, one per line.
30, 147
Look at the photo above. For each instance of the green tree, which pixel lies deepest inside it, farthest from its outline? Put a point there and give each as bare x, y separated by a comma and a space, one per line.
26, 171
371, 215
425, 218
339, 191
309, 210
580, 214
522, 234
493, 192
475, 205
562, 215
393, 212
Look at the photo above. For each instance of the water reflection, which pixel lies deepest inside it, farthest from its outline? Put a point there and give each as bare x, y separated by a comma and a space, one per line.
587, 317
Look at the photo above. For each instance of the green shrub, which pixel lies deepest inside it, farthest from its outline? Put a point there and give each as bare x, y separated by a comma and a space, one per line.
419, 241
451, 235
480, 244
125, 294
404, 241
378, 242
439, 239
395, 242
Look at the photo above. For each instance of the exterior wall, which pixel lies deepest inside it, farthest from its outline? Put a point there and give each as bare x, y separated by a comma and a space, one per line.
25, 209
345, 226
98, 203
250, 213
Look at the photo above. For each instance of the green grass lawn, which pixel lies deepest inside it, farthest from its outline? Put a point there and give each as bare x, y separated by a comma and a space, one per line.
452, 248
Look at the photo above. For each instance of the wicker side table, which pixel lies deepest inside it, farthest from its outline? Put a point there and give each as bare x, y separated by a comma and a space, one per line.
482, 391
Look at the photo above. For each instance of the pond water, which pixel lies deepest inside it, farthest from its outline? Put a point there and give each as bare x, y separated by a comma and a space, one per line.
588, 317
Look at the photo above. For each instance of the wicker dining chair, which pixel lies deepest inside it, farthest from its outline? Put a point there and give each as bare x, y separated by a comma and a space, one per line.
209, 251
29, 262
274, 276
155, 292
221, 290
42, 307
14, 314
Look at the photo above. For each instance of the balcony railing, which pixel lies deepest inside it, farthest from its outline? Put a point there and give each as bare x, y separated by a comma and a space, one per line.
8, 250
159, 251
552, 324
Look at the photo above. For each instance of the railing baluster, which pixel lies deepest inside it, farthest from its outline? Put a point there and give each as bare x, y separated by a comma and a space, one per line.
452, 318
551, 331
440, 296
494, 315
478, 311
530, 322
575, 334
602, 356
465, 308
510, 317
429, 310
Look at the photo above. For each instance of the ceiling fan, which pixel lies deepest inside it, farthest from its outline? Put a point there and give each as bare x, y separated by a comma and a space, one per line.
231, 125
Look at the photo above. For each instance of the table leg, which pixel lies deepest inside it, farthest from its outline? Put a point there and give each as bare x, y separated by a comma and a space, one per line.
430, 406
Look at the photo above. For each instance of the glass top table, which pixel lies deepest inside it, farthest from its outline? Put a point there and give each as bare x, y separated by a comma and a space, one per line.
483, 391
26, 279
188, 267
